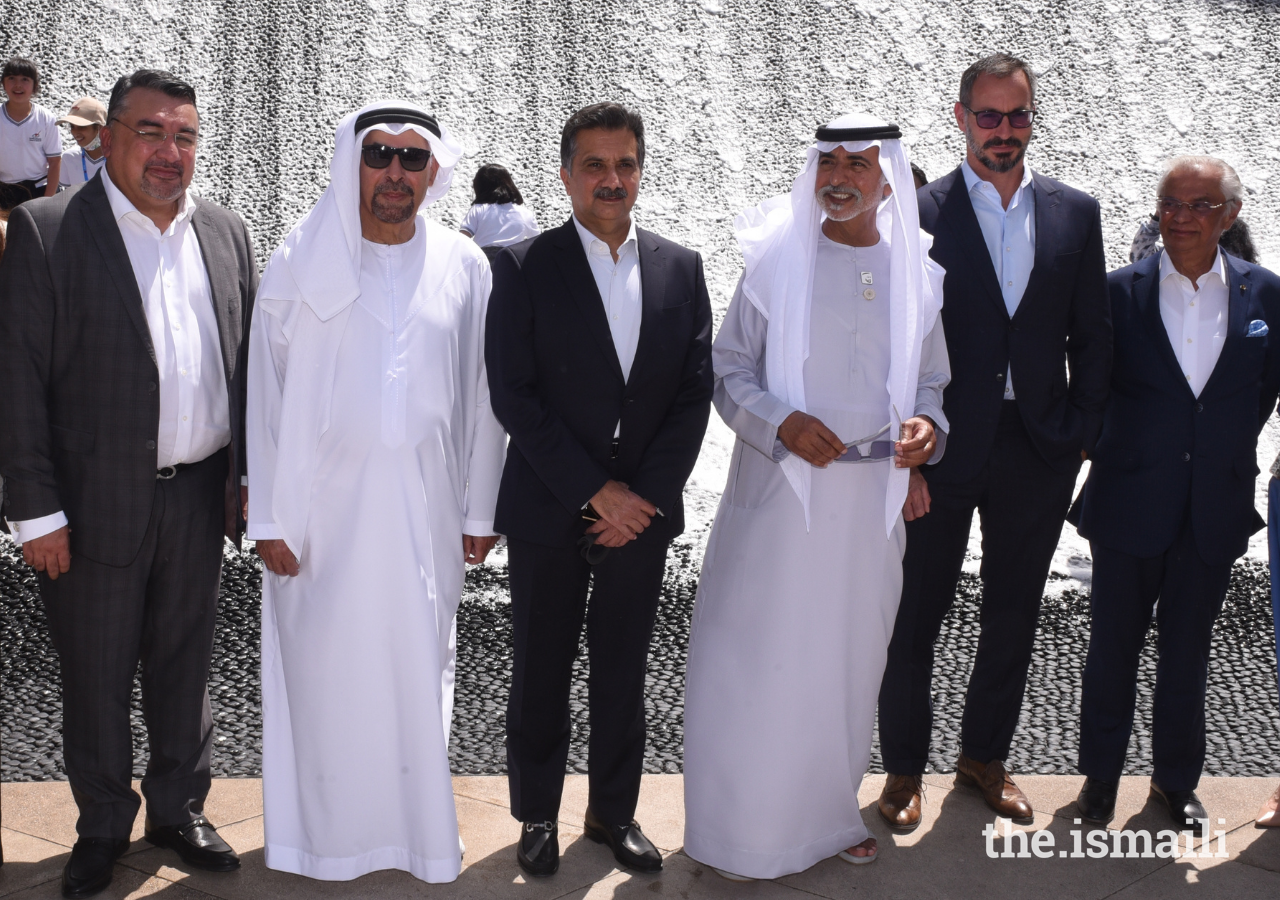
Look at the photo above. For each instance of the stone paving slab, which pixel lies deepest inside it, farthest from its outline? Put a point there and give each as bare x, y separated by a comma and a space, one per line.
946, 857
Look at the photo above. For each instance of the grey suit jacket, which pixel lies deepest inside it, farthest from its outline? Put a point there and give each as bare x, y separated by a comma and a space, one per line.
79, 396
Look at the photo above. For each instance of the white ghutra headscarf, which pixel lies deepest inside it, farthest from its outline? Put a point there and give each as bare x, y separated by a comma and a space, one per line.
779, 241
319, 261
318, 265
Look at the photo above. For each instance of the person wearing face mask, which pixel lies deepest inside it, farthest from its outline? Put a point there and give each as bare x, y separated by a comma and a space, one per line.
86, 117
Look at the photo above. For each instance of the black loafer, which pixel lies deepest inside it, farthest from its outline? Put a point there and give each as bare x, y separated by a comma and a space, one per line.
197, 842
1097, 801
92, 862
1185, 808
538, 850
630, 847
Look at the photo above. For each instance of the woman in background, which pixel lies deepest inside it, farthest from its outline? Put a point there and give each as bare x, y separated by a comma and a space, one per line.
498, 217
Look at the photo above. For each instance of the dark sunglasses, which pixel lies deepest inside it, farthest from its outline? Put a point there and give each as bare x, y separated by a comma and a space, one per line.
379, 156
991, 118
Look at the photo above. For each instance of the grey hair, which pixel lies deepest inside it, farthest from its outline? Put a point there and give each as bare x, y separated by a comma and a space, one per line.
1232, 189
1000, 65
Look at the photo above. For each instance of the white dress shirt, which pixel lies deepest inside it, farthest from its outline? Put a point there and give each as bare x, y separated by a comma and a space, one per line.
619, 286
195, 418
1195, 318
500, 224
1010, 235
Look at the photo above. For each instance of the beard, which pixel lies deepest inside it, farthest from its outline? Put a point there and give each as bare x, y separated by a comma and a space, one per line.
393, 213
857, 204
165, 191
996, 164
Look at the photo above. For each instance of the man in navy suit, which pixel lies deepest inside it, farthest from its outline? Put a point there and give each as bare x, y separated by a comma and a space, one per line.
1024, 295
598, 347
1168, 505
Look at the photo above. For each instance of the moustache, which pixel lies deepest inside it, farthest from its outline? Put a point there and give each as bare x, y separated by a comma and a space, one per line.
854, 194
1002, 142
401, 186
176, 168
604, 193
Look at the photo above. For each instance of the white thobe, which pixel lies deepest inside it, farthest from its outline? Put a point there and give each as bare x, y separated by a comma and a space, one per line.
358, 649
791, 626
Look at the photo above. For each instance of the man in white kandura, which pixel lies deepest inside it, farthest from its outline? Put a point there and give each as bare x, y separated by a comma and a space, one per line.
374, 463
830, 367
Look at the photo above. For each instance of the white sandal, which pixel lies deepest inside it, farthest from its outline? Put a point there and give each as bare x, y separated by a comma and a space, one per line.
861, 860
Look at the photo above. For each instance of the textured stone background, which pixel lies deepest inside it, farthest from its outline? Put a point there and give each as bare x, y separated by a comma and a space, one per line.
730, 92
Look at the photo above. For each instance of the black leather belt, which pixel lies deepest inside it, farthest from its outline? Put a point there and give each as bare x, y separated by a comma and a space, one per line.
165, 473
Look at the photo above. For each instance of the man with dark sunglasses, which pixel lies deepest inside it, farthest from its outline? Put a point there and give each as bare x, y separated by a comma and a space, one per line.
1024, 296
374, 462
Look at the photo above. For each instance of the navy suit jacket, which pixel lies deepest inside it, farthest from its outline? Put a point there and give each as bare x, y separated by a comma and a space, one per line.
556, 385
1063, 317
1164, 453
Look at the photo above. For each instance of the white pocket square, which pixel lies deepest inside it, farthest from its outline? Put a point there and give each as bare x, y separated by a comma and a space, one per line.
1257, 328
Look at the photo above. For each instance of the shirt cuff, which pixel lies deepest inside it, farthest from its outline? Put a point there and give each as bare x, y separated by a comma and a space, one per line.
30, 529
478, 528
266, 531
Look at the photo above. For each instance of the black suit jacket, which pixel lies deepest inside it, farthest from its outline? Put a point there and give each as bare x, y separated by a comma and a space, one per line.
1063, 318
1163, 452
79, 395
556, 385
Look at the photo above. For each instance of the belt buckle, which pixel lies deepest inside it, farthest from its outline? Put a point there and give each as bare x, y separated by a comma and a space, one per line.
164, 473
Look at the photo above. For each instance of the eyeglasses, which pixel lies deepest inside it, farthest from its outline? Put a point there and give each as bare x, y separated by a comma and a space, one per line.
379, 156
1169, 206
991, 118
182, 140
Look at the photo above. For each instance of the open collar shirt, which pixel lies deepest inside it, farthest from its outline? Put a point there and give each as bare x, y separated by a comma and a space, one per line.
1195, 318
1010, 236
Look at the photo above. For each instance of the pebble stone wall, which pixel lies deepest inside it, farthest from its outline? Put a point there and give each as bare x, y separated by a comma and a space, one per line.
730, 90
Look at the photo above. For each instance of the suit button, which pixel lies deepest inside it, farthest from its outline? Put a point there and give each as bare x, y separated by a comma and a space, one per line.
630, 400
151, 387
999, 376
151, 445
1186, 457
1199, 407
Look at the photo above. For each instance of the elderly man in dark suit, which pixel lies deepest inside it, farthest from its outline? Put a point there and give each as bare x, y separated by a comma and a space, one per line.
122, 308
1024, 298
1169, 503
599, 355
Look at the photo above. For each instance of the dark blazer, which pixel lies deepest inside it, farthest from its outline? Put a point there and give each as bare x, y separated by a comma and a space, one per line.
556, 384
1162, 450
1062, 318
79, 394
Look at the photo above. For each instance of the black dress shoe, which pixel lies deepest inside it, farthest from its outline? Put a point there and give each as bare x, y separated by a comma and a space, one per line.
197, 842
1185, 807
538, 850
89, 869
630, 847
1097, 801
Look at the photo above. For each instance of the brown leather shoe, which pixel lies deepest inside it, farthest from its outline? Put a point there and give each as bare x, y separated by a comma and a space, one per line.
900, 802
997, 788
1269, 815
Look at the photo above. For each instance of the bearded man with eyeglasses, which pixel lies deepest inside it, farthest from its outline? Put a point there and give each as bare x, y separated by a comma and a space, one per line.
1027, 326
374, 462
1169, 503
123, 307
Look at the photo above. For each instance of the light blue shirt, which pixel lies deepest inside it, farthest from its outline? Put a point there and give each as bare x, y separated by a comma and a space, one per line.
1010, 235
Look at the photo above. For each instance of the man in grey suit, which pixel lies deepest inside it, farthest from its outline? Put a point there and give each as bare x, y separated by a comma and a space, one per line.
122, 310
